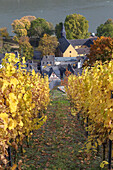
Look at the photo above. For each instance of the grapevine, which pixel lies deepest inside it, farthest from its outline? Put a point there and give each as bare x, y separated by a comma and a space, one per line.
24, 96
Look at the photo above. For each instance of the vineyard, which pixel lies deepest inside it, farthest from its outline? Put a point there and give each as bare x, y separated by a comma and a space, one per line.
51, 130
92, 100
24, 97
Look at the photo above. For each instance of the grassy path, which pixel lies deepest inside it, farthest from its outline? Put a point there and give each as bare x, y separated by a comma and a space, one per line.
55, 146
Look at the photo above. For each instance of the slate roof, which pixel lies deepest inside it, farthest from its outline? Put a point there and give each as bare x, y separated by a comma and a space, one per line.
64, 44
77, 42
48, 58
83, 50
49, 70
89, 42
82, 42
65, 59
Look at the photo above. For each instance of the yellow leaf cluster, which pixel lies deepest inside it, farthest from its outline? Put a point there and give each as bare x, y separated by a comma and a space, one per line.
90, 96
23, 96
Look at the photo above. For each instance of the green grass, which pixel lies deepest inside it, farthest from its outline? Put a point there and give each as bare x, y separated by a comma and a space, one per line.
56, 145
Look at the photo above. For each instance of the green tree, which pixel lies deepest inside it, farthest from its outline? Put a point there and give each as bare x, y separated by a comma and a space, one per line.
105, 29
48, 45
25, 48
58, 29
76, 27
39, 27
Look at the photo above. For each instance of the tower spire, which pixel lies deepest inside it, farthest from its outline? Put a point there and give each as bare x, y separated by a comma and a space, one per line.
63, 32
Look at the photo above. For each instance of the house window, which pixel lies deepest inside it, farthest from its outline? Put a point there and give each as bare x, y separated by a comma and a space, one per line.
70, 52
47, 62
50, 62
43, 63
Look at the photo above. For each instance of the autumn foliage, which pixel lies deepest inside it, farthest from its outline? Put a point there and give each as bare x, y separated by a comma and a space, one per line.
102, 49
48, 45
90, 96
64, 82
21, 27
24, 97
25, 48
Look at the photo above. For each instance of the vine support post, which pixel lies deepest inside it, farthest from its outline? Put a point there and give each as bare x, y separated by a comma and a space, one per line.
104, 149
110, 154
9, 156
78, 116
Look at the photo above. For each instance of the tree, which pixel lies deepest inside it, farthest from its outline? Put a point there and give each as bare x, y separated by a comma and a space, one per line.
102, 49
25, 48
48, 45
4, 33
26, 22
39, 27
105, 29
21, 27
76, 27
29, 18
58, 29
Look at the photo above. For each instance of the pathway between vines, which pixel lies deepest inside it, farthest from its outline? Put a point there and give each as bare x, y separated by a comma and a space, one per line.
57, 144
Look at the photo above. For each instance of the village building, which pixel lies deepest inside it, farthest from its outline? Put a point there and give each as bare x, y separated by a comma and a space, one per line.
73, 48
48, 60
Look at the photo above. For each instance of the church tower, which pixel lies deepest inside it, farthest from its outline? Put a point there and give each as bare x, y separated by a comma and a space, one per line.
63, 32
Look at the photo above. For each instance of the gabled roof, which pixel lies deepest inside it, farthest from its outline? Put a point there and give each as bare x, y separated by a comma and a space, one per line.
64, 44
82, 42
89, 42
50, 70
77, 42
62, 69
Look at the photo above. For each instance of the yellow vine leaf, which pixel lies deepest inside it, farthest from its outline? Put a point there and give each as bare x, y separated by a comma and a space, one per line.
13, 101
33, 72
21, 123
11, 124
5, 84
14, 167
103, 164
